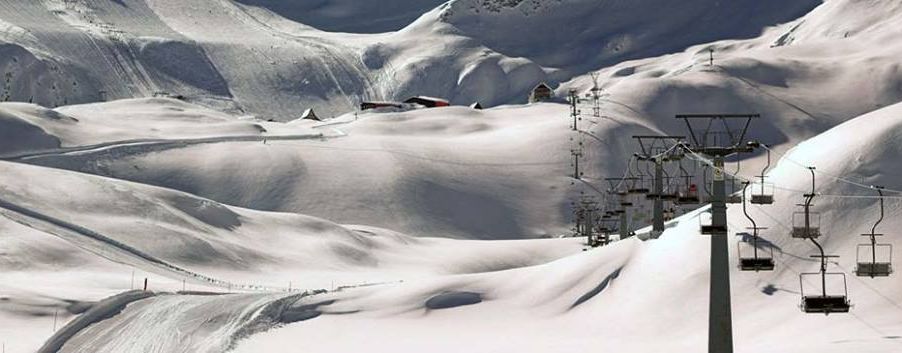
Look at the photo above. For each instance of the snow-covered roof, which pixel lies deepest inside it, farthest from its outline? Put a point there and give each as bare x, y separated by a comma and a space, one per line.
434, 99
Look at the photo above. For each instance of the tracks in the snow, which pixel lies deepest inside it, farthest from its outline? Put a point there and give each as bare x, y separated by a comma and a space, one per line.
152, 145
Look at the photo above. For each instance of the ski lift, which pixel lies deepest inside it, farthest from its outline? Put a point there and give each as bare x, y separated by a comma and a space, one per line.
689, 195
867, 260
650, 195
763, 192
874, 251
710, 229
827, 301
807, 224
756, 262
830, 298
669, 214
706, 185
619, 186
639, 185
669, 193
733, 196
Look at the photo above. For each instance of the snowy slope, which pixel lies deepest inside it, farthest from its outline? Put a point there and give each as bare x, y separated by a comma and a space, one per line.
244, 58
800, 89
349, 15
610, 31
601, 299
416, 172
168, 190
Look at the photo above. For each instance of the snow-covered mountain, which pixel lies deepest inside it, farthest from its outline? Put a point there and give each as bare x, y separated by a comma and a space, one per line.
236, 55
426, 229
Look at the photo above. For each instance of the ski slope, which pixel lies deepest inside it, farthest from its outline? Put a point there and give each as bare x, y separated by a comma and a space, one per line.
548, 306
433, 230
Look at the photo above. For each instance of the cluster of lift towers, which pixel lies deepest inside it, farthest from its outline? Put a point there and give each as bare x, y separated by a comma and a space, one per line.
713, 139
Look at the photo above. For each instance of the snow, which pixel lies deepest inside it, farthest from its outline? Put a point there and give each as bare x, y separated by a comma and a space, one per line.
424, 229
235, 56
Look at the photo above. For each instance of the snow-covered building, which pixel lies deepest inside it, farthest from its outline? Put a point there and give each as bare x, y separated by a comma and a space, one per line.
542, 92
376, 105
309, 114
428, 102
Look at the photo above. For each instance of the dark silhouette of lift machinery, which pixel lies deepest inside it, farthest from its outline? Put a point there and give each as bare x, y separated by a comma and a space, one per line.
648, 145
758, 262
717, 136
822, 301
879, 265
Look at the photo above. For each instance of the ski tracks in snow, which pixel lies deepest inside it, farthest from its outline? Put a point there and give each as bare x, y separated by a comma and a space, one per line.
137, 146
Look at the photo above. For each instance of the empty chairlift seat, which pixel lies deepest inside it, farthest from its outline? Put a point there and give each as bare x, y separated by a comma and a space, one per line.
817, 304
874, 260
751, 260
710, 229
756, 264
803, 229
639, 186
833, 299
763, 194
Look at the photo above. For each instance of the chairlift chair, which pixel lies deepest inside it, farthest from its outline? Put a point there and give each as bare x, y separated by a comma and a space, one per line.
710, 229
735, 183
706, 184
763, 194
734, 196
824, 302
669, 214
638, 184
880, 255
690, 196
806, 224
870, 264
670, 193
802, 229
757, 262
